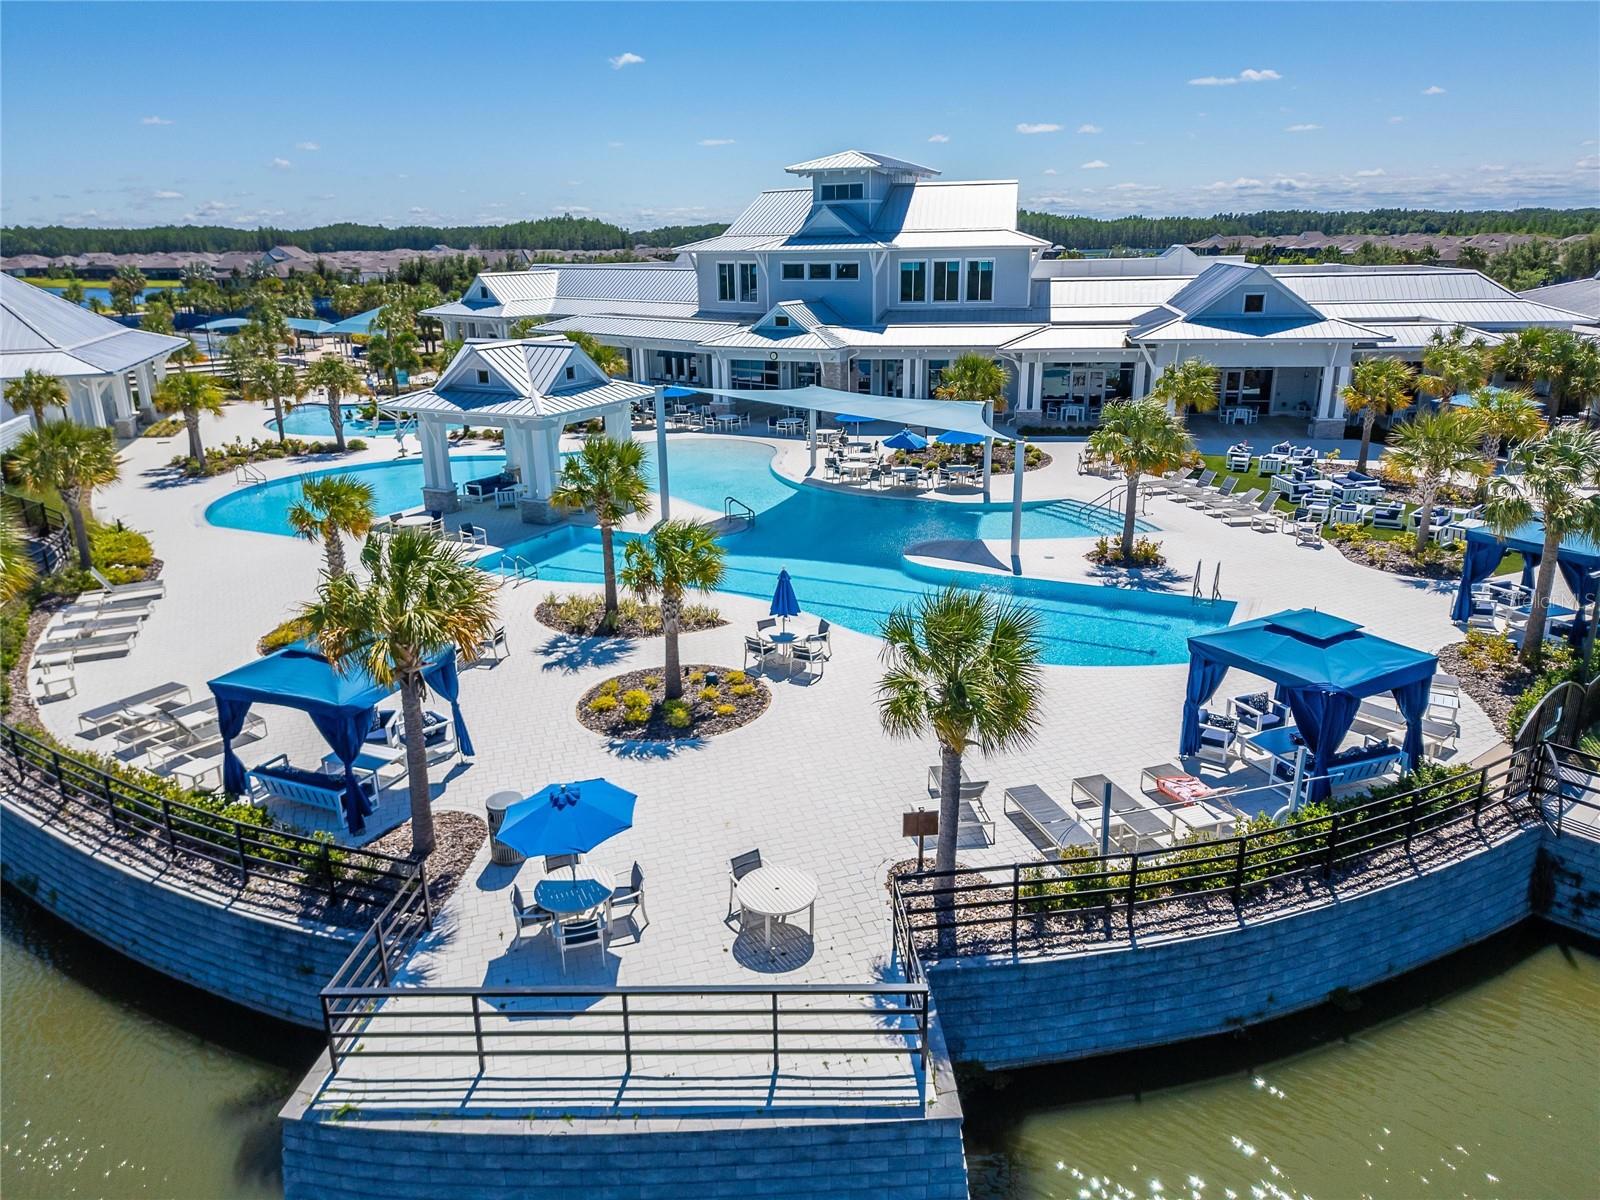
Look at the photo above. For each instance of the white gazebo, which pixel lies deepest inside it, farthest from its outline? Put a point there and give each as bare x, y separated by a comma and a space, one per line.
94, 356
532, 388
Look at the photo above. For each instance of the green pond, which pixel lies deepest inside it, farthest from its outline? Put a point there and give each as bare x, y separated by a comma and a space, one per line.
1478, 1079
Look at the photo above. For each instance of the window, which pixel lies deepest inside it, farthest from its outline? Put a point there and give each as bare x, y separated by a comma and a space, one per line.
781, 322
483, 293
913, 282
572, 372
749, 287
1255, 302
936, 368
946, 281
794, 270
840, 191
753, 373
725, 281
980, 280
820, 270
847, 270
483, 377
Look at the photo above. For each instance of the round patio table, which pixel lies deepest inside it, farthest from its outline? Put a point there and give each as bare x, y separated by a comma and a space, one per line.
574, 889
780, 892
789, 424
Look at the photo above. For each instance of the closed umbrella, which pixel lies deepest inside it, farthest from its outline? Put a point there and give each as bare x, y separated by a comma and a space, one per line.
567, 818
784, 603
906, 440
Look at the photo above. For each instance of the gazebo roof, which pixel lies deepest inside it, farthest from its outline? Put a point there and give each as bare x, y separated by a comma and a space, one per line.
1305, 648
301, 676
42, 332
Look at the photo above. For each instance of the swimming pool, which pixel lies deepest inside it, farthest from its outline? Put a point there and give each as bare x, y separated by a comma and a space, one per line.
313, 420
395, 485
845, 555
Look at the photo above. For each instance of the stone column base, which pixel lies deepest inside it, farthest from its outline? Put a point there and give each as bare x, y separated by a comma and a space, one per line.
1326, 427
539, 512
441, 500
125, 427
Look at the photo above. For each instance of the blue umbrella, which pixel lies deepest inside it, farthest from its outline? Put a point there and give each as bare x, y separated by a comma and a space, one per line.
678, 393
784, 603
850, 419
567, 818
906, 440
954, 437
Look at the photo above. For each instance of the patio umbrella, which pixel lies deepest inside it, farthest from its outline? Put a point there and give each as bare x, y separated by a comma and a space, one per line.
567, 818
954, 437
678, 393
906, 440
784, 603
850, 419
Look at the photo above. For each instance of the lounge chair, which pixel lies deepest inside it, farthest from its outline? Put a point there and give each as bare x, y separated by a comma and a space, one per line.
1266, 518
103, 604
968, 788
1060, 829
1144, 827
1220, 498
113, 622
1185, 490
526, 916
117, 710
144, 587
100, 645
1241, 510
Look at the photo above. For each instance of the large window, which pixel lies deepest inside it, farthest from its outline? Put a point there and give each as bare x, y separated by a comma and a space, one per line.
749, 284
682, 367
840, 191
794, 270
980, 279
913, 282
947, 281
725, 276
753, 373
1255, 302
936, 368
847, 270
819, 271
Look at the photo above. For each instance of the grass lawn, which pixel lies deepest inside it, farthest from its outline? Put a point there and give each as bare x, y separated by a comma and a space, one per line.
41, 281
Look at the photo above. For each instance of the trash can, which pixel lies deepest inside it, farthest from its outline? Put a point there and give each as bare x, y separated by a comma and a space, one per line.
495, 811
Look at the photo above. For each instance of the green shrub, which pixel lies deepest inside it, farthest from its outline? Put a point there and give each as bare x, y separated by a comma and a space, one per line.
708, 694
637, 716
644, 617
637, 698
115, 546
726, 710
579, 611
605, 702
610, 687
356, 444
652, 681
700, 616
295, 629
679, 718
734, 677
697, 676
1486, 651
163, 428
743, 689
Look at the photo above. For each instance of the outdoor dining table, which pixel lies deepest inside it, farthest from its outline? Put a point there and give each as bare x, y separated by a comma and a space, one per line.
908, 474
789, 424
414, 521
779, 892
575, 889
960, 470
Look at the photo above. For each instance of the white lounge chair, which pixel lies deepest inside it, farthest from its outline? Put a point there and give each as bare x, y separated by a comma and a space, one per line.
117, 712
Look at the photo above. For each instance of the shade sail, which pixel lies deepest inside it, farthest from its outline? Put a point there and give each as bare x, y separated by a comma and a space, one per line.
360, 323
223, 325
1576, 557
965, 416
1323, 666
309, 325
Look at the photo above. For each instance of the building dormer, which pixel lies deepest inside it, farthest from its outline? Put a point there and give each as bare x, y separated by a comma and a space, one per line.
1233, 291
853, 183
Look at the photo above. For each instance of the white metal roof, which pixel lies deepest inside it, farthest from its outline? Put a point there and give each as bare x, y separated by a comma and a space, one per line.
1514, 311
42, 332
667, 290
859, 160
1144, 292
1073, 337
590, 397
1389, 284
942, 337
655, 329
1415, 335
1579, 295
533, 372
1272, 329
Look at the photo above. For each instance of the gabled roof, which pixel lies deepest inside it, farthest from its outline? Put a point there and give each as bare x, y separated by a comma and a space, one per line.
691, 331
1197, 297
40, 331
640, 289
807, 329
527, 378
1580, 295
1310, 328
859, 160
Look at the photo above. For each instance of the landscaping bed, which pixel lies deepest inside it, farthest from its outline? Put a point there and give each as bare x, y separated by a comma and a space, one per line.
941, 455
579, 614
633, 705
1394, 554
1493, 675
231, 455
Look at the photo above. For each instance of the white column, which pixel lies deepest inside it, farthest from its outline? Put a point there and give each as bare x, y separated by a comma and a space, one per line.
811, 438
641, 363
516, 452
435, 454
1141, 378
1020, 449
906, 367
147, 388
661, 452
619, 423
122, 394
1325, 393
1036, 388
988, 450
543, 481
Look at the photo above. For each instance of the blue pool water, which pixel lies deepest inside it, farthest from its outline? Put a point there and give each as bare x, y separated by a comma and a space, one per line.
395, 485
314, 421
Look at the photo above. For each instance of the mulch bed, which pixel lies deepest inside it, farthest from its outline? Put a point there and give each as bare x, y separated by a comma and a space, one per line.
1000, 462
1395, 557
1494, 688
457, 837
628, 624
704, 720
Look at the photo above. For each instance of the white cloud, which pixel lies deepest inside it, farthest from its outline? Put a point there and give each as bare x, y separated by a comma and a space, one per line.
626, 59
1049, 170
1491, 168
167, 195
1037, 127
1434, 90
1087, 128
940, 138
716, 141
1588, 163
1304, 127
1248, 75
307, 146
1396, 120
1239, 184
1370, 173
1134, 187
1094, 164
154, 121
280, 164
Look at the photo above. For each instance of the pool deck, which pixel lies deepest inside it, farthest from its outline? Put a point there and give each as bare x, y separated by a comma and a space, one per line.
812, 783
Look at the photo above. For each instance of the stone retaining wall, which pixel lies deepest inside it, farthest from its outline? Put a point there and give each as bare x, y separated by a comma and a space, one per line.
258, 959
1000, 1013
1571, 874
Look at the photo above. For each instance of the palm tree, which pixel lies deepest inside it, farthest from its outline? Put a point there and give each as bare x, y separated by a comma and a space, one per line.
390, 354
1546, 479
1568, 364
339, 377
191, 395
1377, 386
36, 392
1142, 438
70, 459
17, 571
126, 285
266, 379
608, 476
1185, 386
525, 327
1451, 364
677, 556
974, 377
72, 291
1505, 415
964, 666
329, 507
608, 358
419, 597
1434, 448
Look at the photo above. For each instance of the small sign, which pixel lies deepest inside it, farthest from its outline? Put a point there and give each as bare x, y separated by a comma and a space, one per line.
919, 824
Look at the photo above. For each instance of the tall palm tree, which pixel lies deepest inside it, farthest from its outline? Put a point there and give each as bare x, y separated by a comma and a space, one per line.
974, 377
72, 460
339, 378
390, 354
329, 507
191, 395
126, 286
1521, 354
1434, 448
677, 556
1378, 386
608, 358
1547, 479
525, 327
267, 380
1568, 364
418, 597
1453, 363
17, 570
1142, 438
1189, 385
1505, 415
608, 476
964, 666
36, 392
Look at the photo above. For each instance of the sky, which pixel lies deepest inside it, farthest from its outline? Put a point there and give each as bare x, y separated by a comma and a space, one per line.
300, 114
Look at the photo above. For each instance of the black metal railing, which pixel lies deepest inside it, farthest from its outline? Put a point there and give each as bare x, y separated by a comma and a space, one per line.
186, 831
38, 517
995, 909
1565, 778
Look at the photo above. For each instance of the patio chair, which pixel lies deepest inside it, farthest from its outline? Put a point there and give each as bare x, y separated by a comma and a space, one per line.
1062, 830
560, 862
1239, 459
1265, 518
1350, 514
759, 649
438, 736
1307, 532
630, 894
575, 935
475, 535
495, 646
1257, 713
809, 654
765, 626
739, 866
1388, 516
526, 916
823, 634
1216, 740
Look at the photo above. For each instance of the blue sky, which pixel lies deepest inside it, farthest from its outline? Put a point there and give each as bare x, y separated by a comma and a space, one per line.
293, 114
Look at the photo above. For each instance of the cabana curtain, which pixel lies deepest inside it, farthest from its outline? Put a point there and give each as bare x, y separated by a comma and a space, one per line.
1577, 557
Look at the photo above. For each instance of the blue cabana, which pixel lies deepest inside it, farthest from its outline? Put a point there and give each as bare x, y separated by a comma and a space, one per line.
1576, 558
1323, 666
340, 705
